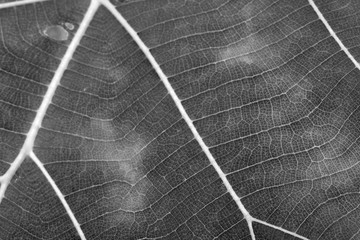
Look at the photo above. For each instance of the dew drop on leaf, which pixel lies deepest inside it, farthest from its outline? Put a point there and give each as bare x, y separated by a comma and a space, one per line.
56, 32
69, 26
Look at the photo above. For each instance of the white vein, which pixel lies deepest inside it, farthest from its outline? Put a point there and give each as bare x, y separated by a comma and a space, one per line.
27, 148
333, 34
19, 3
280, 229
59, 194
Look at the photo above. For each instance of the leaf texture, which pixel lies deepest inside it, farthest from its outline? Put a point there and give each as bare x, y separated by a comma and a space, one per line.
154, 119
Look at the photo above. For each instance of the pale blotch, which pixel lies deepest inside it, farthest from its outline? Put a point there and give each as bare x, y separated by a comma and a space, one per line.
135, 199
243, 51
122, 151
297, 94
118, 73
129, 159
120, 144
57, 33
248, 11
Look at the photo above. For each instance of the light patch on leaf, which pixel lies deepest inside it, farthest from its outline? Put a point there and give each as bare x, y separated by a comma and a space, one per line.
122, 144
129, 160
134, 200
125, 150
241, 51
118, 75
244, 51
297, 94
249, 10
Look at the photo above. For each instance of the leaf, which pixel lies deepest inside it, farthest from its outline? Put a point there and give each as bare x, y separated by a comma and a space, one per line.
154, 119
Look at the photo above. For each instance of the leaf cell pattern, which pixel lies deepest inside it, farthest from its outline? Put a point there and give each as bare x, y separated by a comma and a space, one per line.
158, 119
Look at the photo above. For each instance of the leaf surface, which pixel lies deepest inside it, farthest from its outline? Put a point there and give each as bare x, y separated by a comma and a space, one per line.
183, 119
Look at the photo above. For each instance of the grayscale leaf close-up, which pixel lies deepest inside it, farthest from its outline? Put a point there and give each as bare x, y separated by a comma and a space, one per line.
180, 119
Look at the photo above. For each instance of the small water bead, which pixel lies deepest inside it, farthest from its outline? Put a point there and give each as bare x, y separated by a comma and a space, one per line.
69, 26
56, 32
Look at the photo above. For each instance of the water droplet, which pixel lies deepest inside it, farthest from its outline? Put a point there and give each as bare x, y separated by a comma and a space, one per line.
69, 26
56, 32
